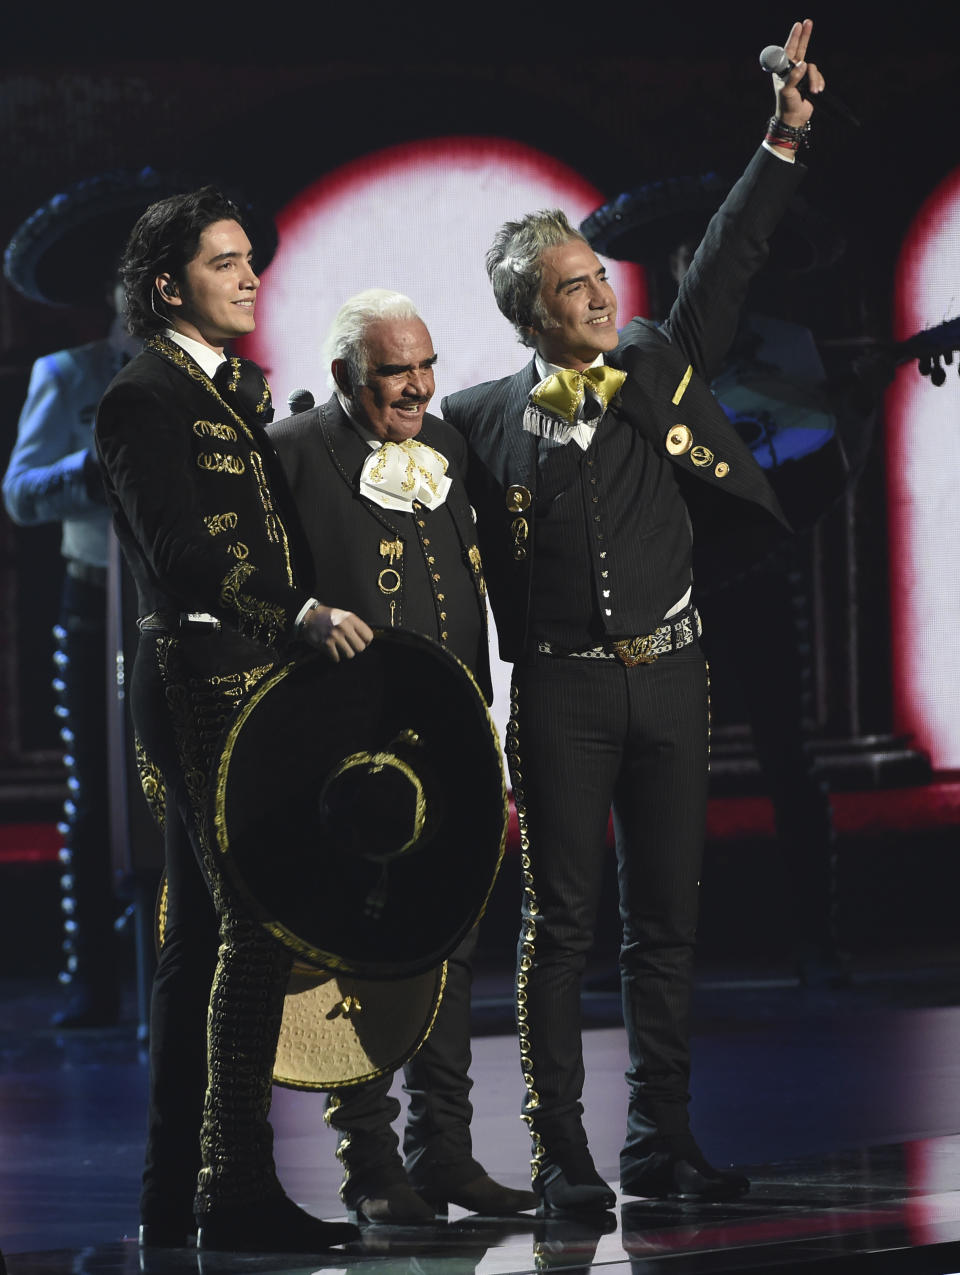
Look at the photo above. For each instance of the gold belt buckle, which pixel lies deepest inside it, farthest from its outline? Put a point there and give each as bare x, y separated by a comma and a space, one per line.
634, 651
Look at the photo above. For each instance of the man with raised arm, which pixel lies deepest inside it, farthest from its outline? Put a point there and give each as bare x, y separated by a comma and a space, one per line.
594, 472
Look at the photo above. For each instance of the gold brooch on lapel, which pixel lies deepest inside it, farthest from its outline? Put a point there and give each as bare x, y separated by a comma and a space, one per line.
388, 581
521, 530
682, 387
473, 553
702, 456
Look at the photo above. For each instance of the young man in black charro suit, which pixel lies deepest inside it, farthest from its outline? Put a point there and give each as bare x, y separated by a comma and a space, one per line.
376, 481
586, 470
196, 499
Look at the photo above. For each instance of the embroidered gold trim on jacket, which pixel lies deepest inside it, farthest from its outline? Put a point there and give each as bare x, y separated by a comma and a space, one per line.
216, 523
179, 358
263, 621
219, 463
215, 429
271, 521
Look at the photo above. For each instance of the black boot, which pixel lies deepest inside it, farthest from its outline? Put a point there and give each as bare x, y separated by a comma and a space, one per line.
572, 1185
677, 1168
270, 1226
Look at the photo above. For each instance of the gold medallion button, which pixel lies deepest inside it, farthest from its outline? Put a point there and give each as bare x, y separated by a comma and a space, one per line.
722, 469
518, 498
679, 440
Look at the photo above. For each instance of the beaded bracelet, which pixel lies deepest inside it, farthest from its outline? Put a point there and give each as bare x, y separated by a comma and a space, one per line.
780, 134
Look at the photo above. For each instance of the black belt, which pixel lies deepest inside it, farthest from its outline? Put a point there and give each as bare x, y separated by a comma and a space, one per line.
178, 622
680, 630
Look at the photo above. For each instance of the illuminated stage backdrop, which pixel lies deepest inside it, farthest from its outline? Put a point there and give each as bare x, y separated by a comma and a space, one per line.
923, 462
418, 218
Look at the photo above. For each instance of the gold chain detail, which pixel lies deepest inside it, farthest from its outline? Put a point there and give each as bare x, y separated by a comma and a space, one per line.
528, 932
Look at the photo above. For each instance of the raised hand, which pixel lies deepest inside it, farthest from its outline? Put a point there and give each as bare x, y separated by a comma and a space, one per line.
793, 109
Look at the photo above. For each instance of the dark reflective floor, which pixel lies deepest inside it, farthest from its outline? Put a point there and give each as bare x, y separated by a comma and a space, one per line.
843, 1104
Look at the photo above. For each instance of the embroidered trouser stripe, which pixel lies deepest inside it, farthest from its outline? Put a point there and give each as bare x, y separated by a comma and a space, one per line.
586, 736
236, 1139
248, 971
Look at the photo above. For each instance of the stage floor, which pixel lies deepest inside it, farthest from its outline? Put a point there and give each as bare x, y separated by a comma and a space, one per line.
843, 1106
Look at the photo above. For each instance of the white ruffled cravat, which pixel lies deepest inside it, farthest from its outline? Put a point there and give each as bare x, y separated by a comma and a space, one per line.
397, 474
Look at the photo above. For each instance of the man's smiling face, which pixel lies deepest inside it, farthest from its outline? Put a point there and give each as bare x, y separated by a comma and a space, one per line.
215, 298
399, 382
580, 306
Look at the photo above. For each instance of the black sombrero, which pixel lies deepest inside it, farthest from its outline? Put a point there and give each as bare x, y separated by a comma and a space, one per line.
359, 808
66, 251
646, 223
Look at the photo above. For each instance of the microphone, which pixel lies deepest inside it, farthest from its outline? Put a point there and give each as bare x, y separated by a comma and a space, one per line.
300, 401
774, 61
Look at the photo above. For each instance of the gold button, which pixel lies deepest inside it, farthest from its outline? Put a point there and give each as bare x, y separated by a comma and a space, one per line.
440, 597
679, 440
722, 469
426, 540
701, 456
518, 498
443, 615
431, 560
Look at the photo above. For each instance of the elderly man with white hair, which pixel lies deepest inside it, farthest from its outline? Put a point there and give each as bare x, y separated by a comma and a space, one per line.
378, 487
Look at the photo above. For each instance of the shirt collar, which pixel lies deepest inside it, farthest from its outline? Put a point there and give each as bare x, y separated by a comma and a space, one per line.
208, 359
545, 369
368, 436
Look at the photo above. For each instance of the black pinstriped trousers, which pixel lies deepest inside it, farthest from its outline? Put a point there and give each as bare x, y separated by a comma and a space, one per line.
585, 735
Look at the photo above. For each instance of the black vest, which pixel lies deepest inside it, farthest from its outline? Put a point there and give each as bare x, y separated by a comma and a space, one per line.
427, 586
613, 538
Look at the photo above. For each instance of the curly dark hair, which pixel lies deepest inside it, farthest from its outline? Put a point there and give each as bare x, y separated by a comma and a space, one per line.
165, 238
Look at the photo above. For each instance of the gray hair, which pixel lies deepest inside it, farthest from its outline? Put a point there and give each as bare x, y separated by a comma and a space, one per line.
346, 339
515, 267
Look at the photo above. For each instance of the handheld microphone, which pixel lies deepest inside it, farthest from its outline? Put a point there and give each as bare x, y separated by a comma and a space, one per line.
300, 401
774, 61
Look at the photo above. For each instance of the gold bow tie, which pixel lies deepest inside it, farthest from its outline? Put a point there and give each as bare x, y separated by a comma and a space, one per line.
561, 394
